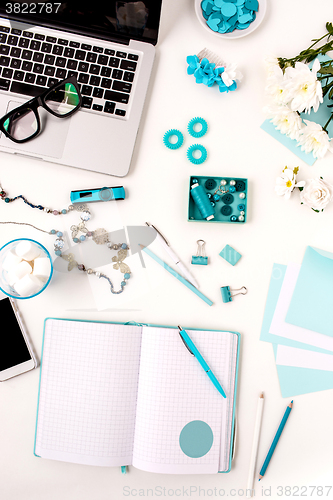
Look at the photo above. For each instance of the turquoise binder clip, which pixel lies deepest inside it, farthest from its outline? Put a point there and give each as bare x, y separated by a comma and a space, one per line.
200, 258
227, 295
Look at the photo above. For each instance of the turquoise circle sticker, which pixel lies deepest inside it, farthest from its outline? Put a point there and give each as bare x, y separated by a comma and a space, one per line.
196, 439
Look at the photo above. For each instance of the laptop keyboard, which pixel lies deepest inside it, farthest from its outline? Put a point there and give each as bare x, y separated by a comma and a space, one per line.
31, 62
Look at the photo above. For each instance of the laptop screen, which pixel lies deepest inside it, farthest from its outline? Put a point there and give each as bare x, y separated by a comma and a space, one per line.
107, 19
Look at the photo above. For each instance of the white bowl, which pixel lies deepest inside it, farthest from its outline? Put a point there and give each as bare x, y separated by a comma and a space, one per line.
236, 33
5, 282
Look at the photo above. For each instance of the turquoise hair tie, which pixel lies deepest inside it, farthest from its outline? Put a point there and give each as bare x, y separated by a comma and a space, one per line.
192, 149
169, 134
195, 121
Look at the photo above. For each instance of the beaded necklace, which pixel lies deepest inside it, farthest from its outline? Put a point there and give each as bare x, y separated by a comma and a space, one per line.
79, 233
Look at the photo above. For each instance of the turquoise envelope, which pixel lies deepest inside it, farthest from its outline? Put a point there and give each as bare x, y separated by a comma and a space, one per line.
311, 305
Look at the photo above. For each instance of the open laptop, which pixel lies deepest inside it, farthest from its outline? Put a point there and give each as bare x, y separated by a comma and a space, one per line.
109, 46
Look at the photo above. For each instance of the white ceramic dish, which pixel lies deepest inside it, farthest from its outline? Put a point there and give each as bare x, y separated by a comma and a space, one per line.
8, 288
236, 33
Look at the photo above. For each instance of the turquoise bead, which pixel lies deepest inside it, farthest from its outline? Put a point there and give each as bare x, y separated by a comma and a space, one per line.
127, 276
124, 246
76, 240
59, 234
64, 211
123, 283
82, 237
53, 231
7, 200
58, 253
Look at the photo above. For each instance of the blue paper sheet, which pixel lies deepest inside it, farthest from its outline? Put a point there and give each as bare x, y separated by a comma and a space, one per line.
277, 277
311, 306
293, 380
291, 144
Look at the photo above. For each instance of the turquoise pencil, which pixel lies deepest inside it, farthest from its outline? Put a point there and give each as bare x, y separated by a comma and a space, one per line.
275, 440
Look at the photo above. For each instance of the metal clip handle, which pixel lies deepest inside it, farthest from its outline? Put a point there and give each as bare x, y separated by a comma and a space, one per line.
201, 248
238, 290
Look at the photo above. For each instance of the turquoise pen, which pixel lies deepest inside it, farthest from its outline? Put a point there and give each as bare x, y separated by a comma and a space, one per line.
176, 275
194, 351
275, 440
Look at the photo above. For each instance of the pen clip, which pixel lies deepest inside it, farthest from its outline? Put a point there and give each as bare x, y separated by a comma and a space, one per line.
158, 232
187, 347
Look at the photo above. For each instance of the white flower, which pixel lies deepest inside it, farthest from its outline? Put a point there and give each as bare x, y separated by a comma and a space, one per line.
275, 87
317, 194
287, 121
313, 138
304, 89
270, 62
287, 183
230, 74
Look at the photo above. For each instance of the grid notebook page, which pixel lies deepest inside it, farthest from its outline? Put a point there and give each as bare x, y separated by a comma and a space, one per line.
88, 392
178, 404
226, 431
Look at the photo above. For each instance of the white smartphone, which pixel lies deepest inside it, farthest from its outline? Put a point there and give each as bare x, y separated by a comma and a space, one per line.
16, 353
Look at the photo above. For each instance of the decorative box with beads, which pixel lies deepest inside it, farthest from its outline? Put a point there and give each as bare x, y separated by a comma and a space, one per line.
217, 199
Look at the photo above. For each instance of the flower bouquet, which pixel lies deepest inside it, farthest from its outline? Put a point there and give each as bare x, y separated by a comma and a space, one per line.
298, 86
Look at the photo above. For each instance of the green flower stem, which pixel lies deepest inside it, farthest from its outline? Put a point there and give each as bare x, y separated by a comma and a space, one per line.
327, 123
310, 54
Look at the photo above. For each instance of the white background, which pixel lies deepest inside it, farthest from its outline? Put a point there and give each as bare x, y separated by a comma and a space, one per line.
157, 189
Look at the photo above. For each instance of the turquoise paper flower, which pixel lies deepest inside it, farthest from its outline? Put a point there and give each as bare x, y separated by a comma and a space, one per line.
206, 73
224, 88
193, 64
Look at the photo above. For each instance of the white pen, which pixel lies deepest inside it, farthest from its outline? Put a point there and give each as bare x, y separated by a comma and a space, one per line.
164, 242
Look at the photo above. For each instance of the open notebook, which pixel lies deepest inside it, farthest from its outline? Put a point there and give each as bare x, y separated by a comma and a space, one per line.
114, 394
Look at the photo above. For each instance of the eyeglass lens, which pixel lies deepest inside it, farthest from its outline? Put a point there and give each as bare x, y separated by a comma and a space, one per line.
62, 100
21, 124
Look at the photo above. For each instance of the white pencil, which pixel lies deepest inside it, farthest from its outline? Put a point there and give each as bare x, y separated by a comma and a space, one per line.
255, 445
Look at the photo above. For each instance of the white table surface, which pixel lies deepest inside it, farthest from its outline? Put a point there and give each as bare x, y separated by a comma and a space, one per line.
157, 188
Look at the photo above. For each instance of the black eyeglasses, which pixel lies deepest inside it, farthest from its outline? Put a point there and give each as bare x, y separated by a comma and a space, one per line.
61, 100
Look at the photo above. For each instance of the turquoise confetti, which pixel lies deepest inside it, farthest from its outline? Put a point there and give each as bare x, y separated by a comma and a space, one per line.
225, 16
